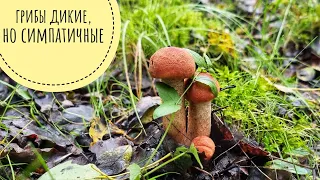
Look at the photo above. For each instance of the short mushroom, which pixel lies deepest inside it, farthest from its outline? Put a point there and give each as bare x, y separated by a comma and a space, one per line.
205, 145
200, 96
173, 65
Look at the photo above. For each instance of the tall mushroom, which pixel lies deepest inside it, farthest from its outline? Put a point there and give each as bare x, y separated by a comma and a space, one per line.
173, 65
200, 96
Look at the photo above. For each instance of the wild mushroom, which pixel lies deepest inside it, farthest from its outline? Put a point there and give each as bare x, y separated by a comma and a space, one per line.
200, 96
173, 65
204, 145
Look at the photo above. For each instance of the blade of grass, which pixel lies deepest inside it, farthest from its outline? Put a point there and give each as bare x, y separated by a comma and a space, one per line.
165, 163
161, 141
11, 168
164, 30
42, 161
127, 74
275, 48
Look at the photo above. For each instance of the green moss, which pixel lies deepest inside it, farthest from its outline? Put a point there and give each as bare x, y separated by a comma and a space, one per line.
253, 107
179, 19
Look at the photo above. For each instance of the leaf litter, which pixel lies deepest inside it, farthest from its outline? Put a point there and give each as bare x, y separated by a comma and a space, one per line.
127, 148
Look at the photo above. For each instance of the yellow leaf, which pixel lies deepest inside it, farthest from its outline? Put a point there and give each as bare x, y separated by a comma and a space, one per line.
223, 41
115, 130
3, 141
97, 130
148, 115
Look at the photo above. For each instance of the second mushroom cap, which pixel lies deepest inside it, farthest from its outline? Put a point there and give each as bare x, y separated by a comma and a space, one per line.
200, 92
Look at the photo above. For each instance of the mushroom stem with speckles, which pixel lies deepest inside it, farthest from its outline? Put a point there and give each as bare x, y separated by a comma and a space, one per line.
199, 112
173, 65
178, 129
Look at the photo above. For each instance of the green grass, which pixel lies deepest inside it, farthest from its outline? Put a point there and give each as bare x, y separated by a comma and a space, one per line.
147, 18
253, 106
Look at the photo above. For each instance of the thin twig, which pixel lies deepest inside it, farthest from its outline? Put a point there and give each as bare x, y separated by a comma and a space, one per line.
254, 164
228, 87
224, 153
201, 170
219, 109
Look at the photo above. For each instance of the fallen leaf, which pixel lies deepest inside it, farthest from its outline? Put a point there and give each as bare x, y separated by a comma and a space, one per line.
84, 140
316, 46
47, 134
288, 89
4, 91
225, 162
113, 155
151, 138
148, 116
46, 103
145, 107
299, 152
141, 155
69, 171
306, 74
283, 88
25, 154
3, 136
252, 149
73, 120
20, 126
80, 114
135, 172
102, 146
115, 130
146, 103
97, 130
115, 161
63, 101
248, 6
288, 165
226, 134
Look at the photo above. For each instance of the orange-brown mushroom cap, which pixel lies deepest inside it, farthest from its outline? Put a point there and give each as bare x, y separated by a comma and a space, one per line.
199, 92
204, 145
172, 63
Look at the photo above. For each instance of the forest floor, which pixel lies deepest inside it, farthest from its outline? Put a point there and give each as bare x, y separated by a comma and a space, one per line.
266, 127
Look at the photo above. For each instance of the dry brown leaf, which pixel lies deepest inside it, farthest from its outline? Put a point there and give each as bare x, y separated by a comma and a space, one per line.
116, 130
283, 88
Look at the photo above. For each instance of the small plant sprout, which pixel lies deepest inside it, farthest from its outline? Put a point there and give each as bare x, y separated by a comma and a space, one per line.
173, 65
200, 94
204, 145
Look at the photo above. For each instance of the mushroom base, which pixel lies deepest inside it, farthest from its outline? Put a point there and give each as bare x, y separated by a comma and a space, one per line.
199, 119
178, 130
